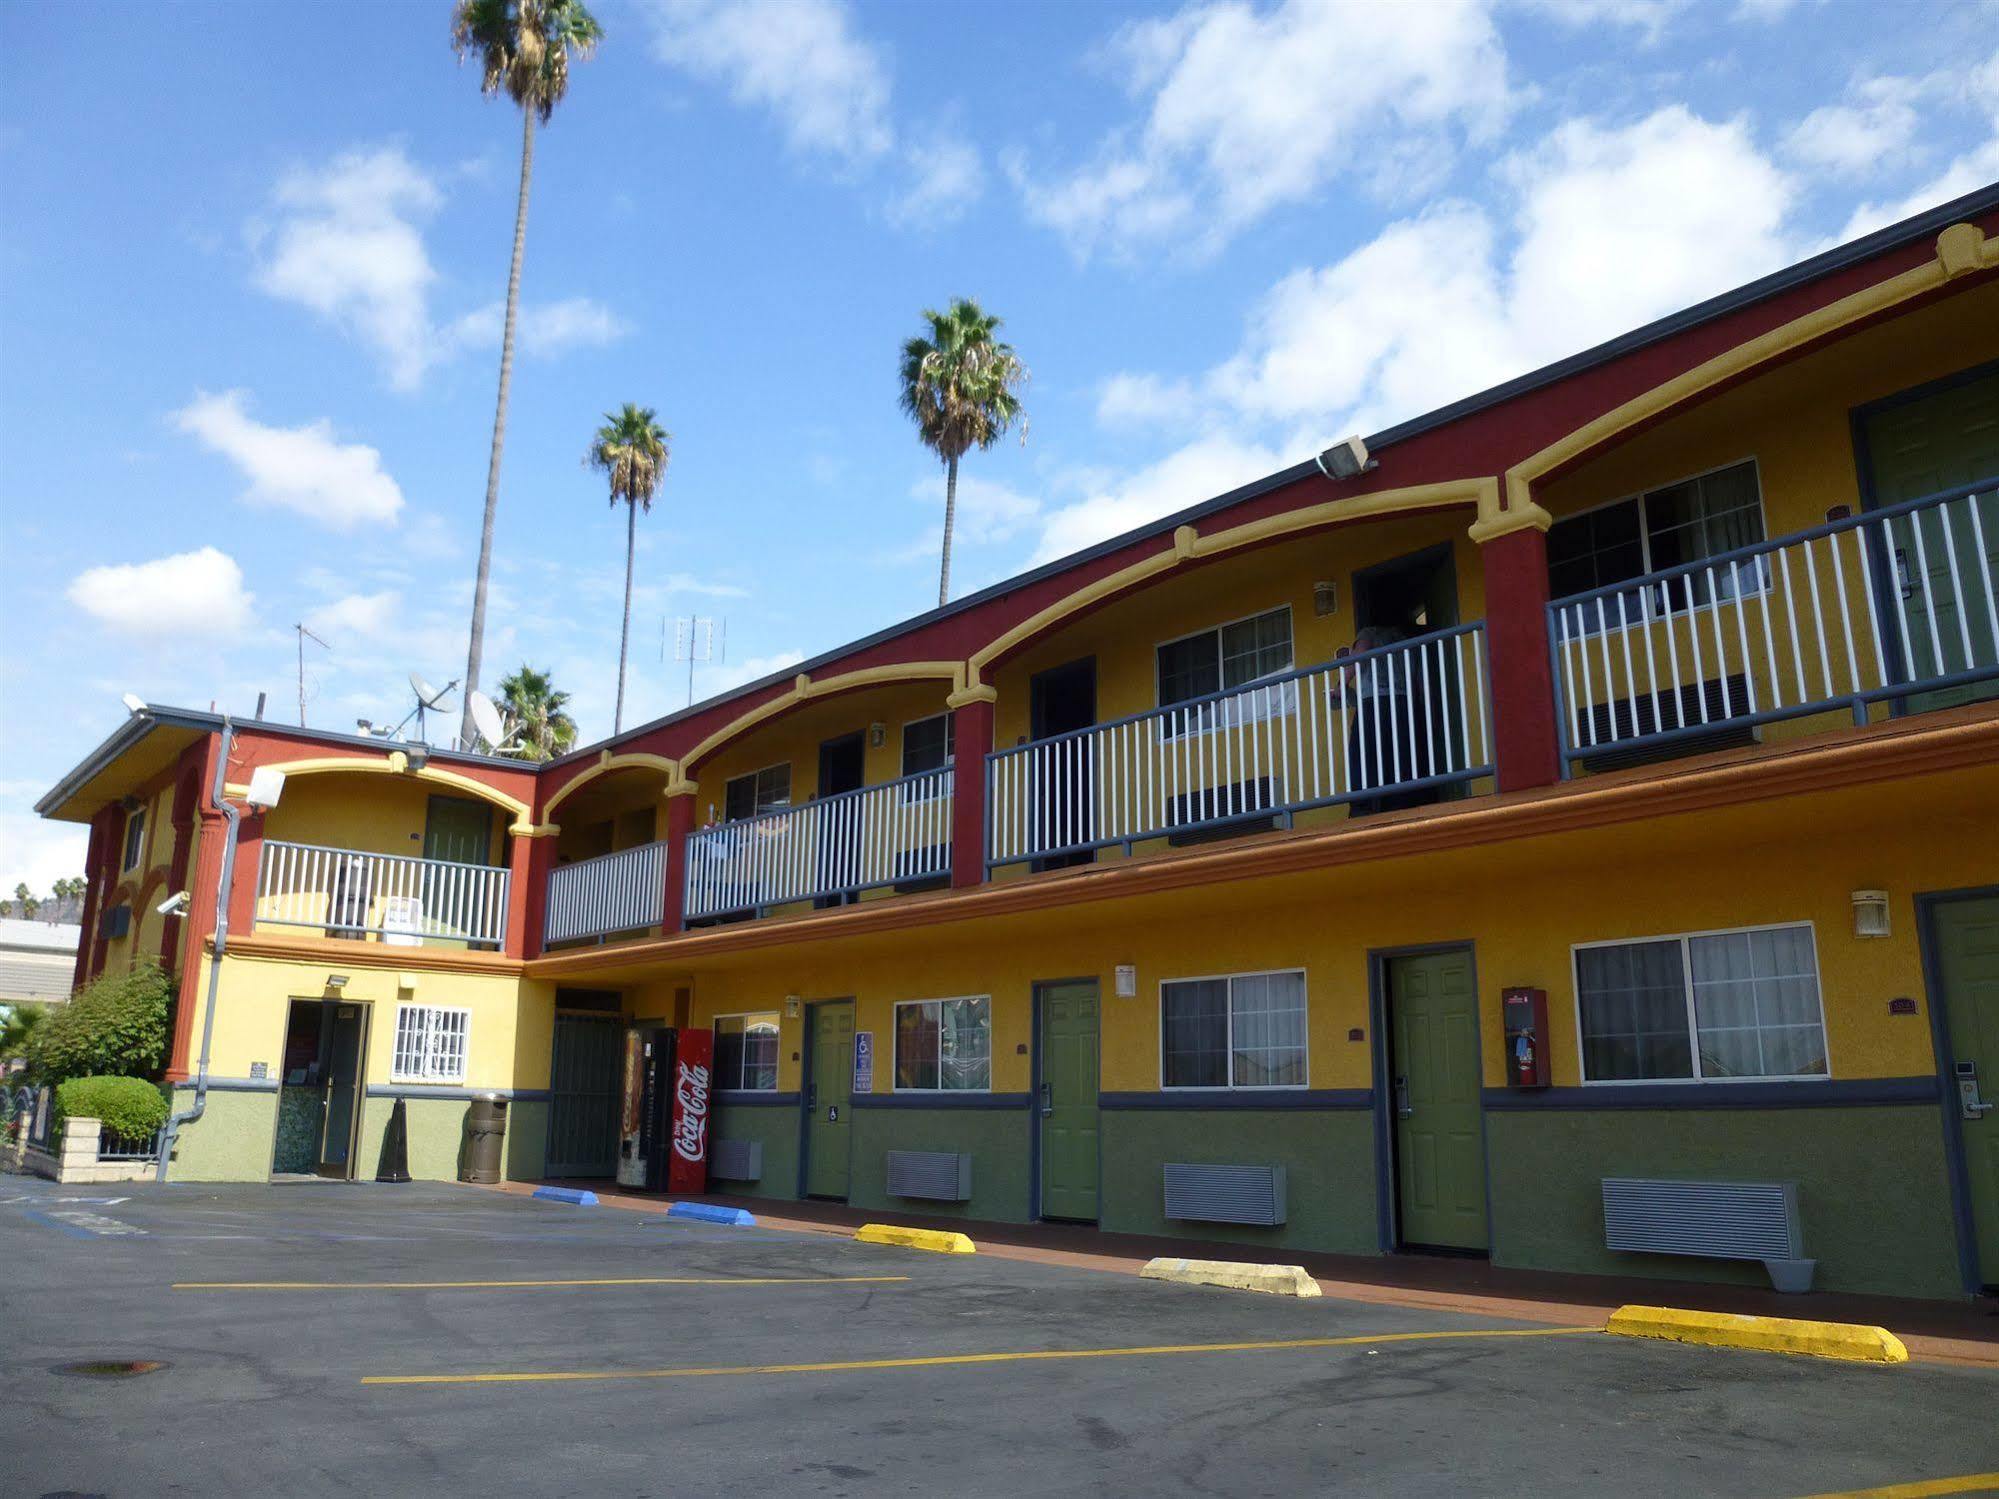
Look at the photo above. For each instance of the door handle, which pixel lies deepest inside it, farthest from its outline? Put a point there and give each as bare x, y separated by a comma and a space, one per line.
1047, 1100
1403, 1108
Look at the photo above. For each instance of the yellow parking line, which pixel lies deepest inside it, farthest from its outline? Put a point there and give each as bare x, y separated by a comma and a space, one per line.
1966, 1483
519, 1285
938, 1360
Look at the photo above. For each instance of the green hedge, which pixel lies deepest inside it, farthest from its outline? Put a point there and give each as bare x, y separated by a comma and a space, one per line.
128, 1106
115, 1027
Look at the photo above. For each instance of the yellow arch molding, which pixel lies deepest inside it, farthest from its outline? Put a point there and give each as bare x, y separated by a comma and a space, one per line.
1189, 545
803, 689
606, 764
397, 764
1961, 249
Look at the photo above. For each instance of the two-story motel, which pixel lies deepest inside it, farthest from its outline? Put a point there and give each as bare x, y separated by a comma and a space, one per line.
1179, 886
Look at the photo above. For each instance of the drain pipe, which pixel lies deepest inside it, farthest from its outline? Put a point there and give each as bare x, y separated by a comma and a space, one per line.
171, 1129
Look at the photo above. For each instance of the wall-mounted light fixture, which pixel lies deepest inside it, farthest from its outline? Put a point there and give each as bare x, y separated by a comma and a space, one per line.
1870, 913
791, 1007
1126, 978
336, 981
1325, 597
877, 734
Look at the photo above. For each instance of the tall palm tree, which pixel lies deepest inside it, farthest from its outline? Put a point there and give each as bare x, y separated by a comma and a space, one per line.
533, 709
523, 48
960, 385
631, 450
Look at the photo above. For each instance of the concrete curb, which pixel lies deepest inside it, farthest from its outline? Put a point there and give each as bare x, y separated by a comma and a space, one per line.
574, 1196
708, 1212
935, 1239
1274, 1280
1841, 1340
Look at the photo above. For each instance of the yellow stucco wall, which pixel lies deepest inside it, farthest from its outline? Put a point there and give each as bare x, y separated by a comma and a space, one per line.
374, 814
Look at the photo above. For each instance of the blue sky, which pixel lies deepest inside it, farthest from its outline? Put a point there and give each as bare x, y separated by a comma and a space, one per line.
251, 258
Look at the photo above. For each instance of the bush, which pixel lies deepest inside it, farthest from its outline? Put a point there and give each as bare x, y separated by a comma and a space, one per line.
128, 1106
115, 1027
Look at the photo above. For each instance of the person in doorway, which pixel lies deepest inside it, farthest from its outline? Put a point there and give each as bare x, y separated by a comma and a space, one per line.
1388, 722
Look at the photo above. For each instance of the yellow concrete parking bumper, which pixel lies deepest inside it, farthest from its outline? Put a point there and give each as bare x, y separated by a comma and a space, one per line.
1842, 1340
935, 1239
1234, 1275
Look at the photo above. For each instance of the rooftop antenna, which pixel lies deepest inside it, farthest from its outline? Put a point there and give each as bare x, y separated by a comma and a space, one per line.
427, 698
303, 636
698, 639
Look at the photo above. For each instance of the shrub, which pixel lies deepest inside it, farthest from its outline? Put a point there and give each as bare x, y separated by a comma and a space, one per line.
115, 1027
128, 1106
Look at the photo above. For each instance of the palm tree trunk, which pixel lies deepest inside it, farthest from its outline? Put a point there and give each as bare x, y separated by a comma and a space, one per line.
950, 520
466, 732
625, 629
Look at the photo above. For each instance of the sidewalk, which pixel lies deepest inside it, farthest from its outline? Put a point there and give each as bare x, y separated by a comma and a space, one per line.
1964, 1331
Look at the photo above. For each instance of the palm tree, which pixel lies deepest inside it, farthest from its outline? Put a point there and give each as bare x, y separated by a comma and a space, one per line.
961, 387
631, 449
523, 47
533, 709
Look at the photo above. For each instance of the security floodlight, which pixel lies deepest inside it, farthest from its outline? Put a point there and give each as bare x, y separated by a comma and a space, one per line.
266, 786
1344, 460
134, 704
173, 905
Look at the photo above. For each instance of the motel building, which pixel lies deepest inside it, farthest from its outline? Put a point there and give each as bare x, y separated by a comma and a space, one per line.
1567, 832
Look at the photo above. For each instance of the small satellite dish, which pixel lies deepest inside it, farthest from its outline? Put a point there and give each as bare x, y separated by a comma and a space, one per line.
426, 694
486, 718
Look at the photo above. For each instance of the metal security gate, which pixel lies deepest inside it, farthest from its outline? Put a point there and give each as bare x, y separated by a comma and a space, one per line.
583, 1096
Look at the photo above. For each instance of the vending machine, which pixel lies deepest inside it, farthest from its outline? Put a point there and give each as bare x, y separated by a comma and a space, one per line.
668, 1089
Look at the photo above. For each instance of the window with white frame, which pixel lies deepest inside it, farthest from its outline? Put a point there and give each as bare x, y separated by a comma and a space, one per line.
760, 791
1705, 1007
135, 838
746, 1051
944, 1045
1245, 1030
927, 744
1677, 523
1233, 655
431, 1044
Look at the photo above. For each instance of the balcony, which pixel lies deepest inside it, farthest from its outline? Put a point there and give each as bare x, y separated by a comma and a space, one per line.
620, 892
1368, 730
388, 898
1892, 611
895, 833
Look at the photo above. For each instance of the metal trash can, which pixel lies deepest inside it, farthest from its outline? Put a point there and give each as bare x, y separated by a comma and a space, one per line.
485, 1131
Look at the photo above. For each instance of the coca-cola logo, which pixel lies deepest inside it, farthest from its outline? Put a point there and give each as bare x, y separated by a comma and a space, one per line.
690, 1129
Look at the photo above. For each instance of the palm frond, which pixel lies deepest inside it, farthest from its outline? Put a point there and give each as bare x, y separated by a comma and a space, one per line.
960, 384
524, 46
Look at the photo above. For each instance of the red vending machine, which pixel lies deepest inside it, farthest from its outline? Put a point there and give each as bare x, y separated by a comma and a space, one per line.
678, 1068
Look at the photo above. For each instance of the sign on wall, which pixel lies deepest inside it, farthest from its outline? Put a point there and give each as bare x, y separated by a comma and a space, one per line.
693, 1061
864, 1061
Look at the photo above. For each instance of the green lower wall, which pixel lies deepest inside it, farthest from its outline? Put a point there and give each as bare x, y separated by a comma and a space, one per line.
996, 1139
527, 1139
777, 1127
1873, 1195
1328, 1160
230, 1142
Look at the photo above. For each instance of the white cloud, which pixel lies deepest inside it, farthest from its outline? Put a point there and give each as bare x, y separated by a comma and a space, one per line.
542, 329
800, 59
1145, 400
368, 616
347, 246
1976, 90
1199, 471
1869, 133
1247, 110
1648, 17
342, 485
35, 850
948, 177
688, 583
189, 593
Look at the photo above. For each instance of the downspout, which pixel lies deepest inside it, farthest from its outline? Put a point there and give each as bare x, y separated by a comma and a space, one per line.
171, 1130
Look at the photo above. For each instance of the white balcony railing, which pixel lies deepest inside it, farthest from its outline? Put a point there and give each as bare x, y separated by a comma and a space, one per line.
619, 892
399, 900
1386, 723
1898, 605
895, 833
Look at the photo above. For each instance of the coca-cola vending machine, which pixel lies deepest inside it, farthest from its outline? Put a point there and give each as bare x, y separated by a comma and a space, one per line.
673, 1116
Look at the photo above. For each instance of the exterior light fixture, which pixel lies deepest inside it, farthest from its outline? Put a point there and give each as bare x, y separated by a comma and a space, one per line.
1345, 459
416, 755
791, 1006
134, 704
1325, 598
336, 981
266, 786
1870, 913
1127, 980
877, 735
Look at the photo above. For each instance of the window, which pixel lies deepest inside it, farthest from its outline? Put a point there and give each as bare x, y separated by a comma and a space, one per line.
430, 1044
944, 1045
135, 838
1245, 1031
927, 744
1708, 1007
1234, 655
1679, 523
746, 1052
760, 791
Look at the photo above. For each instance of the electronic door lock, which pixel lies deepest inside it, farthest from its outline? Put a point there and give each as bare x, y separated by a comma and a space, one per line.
1047, 1100
1970, 1104
1403, 1108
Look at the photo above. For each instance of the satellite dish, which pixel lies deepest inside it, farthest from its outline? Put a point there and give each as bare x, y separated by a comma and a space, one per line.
426, 694
486, 718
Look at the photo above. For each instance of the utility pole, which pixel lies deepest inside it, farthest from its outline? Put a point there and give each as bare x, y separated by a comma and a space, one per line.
303, 636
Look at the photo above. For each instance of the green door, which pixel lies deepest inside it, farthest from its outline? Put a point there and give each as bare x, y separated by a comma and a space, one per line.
1924, 446
344, 1048
1967, 961
1439, 1141
585, 1079
829, 1099
458, 830
1069, 1101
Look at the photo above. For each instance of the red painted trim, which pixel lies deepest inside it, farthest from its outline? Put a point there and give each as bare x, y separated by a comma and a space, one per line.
530, 860
249, 855
1523, 688
89, 955
972, 736
201, 890
679, 825
195, 762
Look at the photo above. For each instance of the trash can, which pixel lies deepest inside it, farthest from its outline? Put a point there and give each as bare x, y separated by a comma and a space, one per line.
485, 1130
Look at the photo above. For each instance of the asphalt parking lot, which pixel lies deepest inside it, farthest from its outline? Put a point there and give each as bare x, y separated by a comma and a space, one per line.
343, 1339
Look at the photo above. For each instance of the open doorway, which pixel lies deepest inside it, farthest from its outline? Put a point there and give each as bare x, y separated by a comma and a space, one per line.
1061, 700
842, 767
1414, 594
1394, 601
321, 1089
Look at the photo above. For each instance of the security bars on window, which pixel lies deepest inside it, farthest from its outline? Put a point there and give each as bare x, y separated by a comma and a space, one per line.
430, 1044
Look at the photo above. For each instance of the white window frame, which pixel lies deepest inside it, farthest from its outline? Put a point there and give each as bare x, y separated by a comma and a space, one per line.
910, 792
715, 1024
790, 789
1232, 1086
1758, 584
1693, 1025
132, 847
940, 1091
1284, 701
428, 1070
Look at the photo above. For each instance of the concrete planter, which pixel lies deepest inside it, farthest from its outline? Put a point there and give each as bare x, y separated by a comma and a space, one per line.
74, 1158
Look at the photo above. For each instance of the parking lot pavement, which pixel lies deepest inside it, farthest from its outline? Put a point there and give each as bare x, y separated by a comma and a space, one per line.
342, 1339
